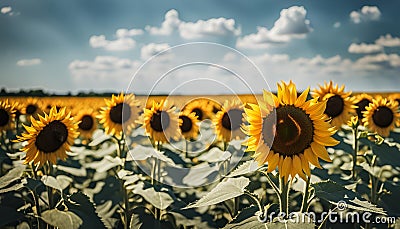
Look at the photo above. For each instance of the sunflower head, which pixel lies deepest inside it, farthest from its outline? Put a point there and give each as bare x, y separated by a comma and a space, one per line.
381, 116
339, 104
202, 107
362, 101
188, 125
33, 107
49, 137
7, 115
161, 123
87, 123
228, 121
120, 113
298, 128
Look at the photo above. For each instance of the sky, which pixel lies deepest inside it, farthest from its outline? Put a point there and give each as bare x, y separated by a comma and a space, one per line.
208, 46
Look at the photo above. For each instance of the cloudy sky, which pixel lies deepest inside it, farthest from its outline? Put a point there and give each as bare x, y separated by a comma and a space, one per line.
82, 45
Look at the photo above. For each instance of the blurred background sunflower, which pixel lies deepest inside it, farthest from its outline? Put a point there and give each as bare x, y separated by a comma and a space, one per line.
49, 137
160, 122
202, 107
381, 116
7, 116
228, 121
120, 113
362, 101
33, 107
339, 105
188, 125
298, 130
87, 123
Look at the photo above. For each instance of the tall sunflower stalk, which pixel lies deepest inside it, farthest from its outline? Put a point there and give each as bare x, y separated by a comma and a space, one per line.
48, 139
161, 124
118, 117
288, 132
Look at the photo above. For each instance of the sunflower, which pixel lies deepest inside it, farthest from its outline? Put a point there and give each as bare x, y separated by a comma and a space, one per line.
7, 116
188, 125
49, 137
289, 132
228, 121
32, 108
87, 123
160, 122
395, 97
339, 106
120, 113
381, 116
201, 107
362, 101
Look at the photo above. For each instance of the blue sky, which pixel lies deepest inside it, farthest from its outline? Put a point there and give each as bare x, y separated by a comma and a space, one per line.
82, 45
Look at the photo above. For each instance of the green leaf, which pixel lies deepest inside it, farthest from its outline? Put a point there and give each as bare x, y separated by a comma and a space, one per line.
246, 219
81, 172
159, 199
12, 175
141, 218
139, 153
228, 189
64, 181
289, 225
335, 193
245, 168
215, 155
200, 174
80, 204
61, 219
51, 182
14, 187
98, 138
105, 164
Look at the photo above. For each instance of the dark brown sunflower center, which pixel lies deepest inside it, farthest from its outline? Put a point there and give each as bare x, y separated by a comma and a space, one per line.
31, 109
86, 123
199, 113
4, 117
334, 106
383, 116
120, 113
159, 121
232, 119
294, 131
51, 137
187, 124
361, 107
215, 109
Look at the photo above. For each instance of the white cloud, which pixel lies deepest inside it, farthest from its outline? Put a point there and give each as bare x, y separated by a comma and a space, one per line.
29, 62
6, 10
152, 49
367, 13
292, 23
364, 48
337, 25
120, 44
211, 27
388, 41
380, 61
171, 22
128, 33
104, 72
195, 30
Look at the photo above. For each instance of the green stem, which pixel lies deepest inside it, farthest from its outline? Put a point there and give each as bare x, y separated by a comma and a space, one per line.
326, 218
155, 176
272, 184
284, 196
35, 197
236, 205
304, 204
255, 200
355, 151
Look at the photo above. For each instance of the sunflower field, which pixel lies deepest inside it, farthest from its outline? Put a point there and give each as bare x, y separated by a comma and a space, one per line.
320, 158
